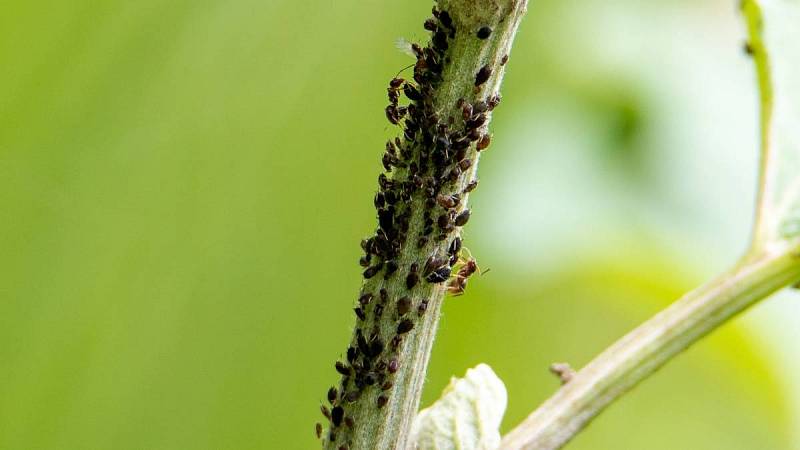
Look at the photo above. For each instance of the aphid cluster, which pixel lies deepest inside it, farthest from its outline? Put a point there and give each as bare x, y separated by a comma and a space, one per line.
420, 186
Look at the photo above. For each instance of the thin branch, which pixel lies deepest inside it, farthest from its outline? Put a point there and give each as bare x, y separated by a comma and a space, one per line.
772, 263
764, 228
648, 347
421, 207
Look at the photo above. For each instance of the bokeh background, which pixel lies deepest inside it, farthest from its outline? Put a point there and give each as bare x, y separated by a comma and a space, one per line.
184, 183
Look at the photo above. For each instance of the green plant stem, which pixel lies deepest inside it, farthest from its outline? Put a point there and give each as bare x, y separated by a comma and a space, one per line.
378, 414
637, 355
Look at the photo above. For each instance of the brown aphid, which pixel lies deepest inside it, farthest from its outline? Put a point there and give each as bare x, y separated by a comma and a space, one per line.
484, 32
447, 201
471, 186
396, 82
483, 75
318, 429
466, 111
411, 280
332, 436
365, 299
394, 364
386, 386
349, 422
483, 142
413, 277
465, 164
462, 218
405, 326
384, 295
443, 221
403, 306
504, 60
748, 48
325, 411
382, 401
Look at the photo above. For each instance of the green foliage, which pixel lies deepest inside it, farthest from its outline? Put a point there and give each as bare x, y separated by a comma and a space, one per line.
184, 185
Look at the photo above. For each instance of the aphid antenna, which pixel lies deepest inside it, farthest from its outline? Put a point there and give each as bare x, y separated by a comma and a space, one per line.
404, 69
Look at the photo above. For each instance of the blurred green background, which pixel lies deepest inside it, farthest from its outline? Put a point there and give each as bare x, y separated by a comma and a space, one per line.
183, 186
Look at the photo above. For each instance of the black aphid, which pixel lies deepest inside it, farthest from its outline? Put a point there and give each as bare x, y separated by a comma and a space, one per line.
405, 326
462, 218
342, 368
439, 276
365, 299
337, 414
332, 394
382, 401
372, 271
483, 75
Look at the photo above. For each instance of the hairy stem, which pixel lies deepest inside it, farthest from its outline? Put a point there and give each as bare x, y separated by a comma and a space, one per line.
637, 355
414, 257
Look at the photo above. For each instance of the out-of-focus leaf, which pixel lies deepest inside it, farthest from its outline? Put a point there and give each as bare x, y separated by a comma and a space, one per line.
774, 29
467, 416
